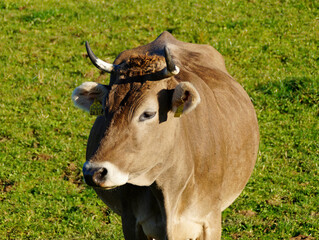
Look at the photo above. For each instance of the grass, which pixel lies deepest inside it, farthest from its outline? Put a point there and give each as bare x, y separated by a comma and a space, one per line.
271, 47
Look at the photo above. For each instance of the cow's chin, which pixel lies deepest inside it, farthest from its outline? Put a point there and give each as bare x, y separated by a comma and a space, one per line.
139, 181
110, 185
106, 188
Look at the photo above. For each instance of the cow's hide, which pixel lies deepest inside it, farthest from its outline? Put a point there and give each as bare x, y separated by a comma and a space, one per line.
176, 142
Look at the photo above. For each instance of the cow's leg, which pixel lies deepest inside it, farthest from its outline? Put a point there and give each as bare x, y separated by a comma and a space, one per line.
213, 229
140, 233
132, 230
128, 226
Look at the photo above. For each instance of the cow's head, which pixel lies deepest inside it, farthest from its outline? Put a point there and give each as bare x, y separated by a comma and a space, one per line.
133, 140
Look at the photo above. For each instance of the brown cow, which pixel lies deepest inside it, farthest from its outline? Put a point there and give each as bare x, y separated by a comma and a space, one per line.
176, 143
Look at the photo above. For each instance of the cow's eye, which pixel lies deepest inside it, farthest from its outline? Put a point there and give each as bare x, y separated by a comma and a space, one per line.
146, 116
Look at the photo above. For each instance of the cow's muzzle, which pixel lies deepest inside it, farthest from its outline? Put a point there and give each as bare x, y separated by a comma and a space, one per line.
104, 175
94, 177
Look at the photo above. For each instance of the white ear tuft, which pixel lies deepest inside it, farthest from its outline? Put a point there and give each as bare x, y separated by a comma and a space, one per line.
185, 98
84, 95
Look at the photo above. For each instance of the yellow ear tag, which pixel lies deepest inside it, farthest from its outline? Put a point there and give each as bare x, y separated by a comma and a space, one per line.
179, 110
96, 108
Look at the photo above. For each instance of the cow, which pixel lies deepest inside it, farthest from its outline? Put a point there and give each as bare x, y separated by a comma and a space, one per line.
175, 142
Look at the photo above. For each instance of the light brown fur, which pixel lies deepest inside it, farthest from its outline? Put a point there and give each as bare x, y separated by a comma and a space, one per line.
193, 167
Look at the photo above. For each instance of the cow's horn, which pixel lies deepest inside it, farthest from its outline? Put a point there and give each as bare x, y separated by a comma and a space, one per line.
171, 68
104, 66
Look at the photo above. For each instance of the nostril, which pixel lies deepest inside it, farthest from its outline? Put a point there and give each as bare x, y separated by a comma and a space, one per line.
99, 176
88, 179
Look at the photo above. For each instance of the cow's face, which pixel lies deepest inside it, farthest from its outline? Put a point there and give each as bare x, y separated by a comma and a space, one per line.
139, 127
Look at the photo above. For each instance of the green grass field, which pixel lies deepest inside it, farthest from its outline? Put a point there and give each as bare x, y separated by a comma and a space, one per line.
271, 47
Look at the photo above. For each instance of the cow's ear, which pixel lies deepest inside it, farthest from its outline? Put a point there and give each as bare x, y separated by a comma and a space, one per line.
84, 95
185, 98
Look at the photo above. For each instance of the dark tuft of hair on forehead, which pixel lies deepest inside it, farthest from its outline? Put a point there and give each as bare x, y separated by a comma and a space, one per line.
138, 65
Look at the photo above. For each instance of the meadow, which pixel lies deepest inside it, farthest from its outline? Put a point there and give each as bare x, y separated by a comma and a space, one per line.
271, 48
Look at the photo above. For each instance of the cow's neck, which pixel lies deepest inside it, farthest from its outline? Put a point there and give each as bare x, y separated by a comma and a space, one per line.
179, 180
175, 180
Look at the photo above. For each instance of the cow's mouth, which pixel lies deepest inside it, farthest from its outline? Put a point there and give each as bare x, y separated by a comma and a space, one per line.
103, 175
106, 188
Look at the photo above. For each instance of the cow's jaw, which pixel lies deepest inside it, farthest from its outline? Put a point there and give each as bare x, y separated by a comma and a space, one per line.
147, 177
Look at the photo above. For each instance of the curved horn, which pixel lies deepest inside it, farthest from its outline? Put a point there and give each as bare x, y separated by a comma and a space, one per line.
171, 68
104, 66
